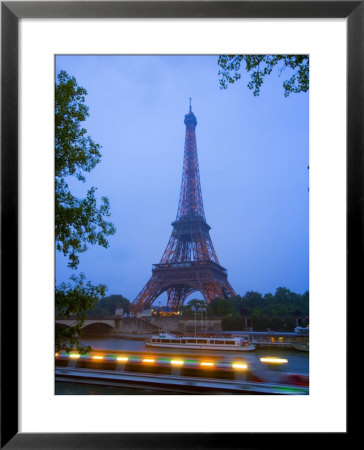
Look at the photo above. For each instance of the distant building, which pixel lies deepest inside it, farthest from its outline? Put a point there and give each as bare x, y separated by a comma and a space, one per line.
169, 313
119, 312
145, 313
165, 311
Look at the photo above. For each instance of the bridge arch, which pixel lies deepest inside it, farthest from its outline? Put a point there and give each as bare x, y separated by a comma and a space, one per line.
97, 328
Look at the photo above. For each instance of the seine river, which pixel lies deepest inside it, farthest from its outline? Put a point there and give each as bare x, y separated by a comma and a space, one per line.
298, 363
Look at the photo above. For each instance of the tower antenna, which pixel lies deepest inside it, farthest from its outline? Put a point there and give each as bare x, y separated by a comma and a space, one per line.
190, 105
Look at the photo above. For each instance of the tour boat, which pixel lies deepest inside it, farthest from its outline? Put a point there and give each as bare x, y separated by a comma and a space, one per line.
302, 330
168, 340
303, 347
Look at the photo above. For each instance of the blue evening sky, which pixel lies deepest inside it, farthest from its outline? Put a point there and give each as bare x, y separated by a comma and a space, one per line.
253, 156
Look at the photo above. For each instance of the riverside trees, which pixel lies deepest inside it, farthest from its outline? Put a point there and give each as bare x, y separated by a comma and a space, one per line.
79, 222
277, 312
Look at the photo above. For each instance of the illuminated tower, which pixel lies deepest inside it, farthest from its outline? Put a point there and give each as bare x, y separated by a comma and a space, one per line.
189, 262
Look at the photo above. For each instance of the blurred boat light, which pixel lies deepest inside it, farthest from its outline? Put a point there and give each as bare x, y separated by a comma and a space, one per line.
240, 366
273, 360
207, 364
177, 362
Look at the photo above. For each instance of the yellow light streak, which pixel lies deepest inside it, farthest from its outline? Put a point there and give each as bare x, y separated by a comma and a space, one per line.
98, 357
147, 360
274, 360
74, 355
207, 364
177, 362
240, 366
122, 358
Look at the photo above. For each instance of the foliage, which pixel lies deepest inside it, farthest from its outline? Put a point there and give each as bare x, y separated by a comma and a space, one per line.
259, 66
194, 305
72, 302
219, 307
233, 322
277, 312
78, 221
107, 306
260, 321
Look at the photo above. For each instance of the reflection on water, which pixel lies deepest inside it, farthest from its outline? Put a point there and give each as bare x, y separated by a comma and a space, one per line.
89, 389
298, 362
113, 343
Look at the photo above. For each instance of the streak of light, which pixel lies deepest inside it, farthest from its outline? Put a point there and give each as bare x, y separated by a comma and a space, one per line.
240, 366
177, 362
274, 360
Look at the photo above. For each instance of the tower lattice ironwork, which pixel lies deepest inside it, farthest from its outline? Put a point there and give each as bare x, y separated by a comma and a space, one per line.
189, 262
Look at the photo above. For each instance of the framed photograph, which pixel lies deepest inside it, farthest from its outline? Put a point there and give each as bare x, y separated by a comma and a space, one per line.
137, 61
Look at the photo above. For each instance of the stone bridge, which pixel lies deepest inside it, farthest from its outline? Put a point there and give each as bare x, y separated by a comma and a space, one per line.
115, 326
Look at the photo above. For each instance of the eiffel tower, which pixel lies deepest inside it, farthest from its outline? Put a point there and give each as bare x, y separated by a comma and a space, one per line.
189, 262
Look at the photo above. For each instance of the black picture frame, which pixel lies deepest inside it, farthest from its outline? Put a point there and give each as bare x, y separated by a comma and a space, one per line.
11, 12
